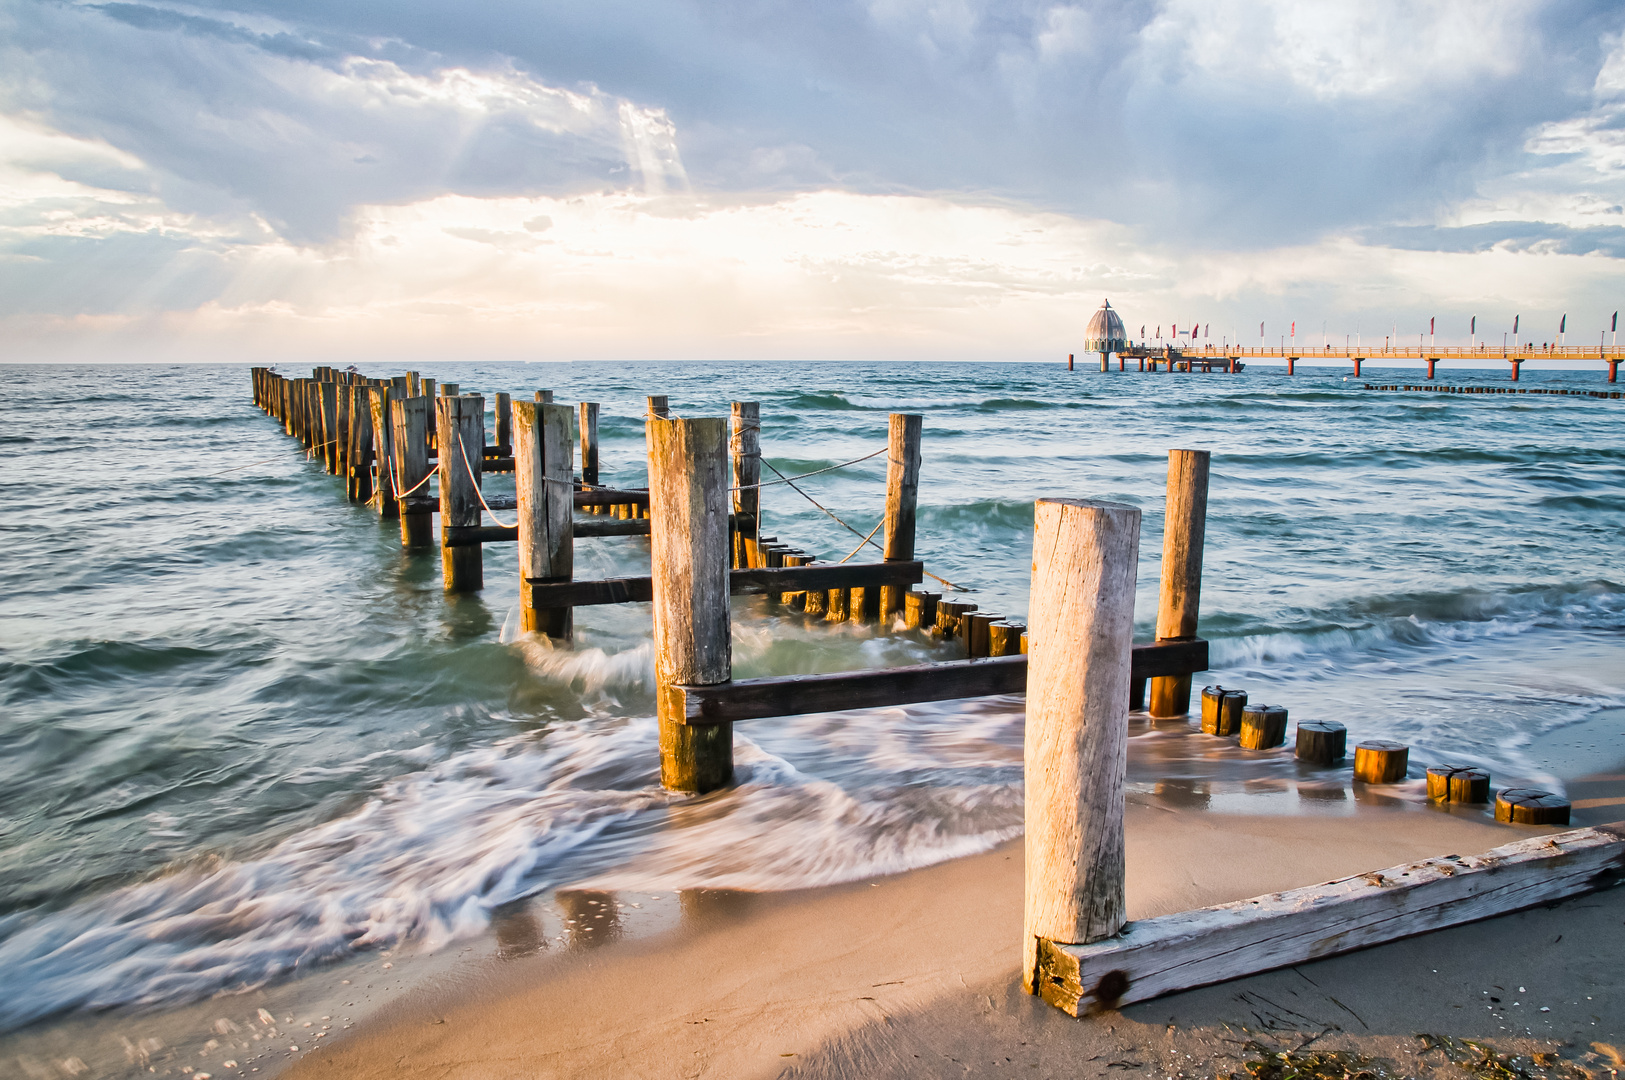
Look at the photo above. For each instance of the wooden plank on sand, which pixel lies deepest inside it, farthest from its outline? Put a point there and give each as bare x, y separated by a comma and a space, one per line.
1152, 957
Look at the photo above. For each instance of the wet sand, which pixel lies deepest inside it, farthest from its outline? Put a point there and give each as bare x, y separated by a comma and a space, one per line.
915, 975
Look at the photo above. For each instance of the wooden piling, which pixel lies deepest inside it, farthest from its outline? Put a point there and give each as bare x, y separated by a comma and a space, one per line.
657, 407
409, 421
1222, 710
1458, 784
920, 609
504, 422
361, 444
460, 421
328, 441
902, 496
950, 617
1004, 638
745, 442
1321, 742
1381, 762
1262, 727
1531, 806
1076, 742
978, 633
688, 550
1185, 524
543, 481
837, 605
383, 442
589, 442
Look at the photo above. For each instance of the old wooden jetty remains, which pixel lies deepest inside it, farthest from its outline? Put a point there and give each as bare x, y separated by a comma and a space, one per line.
1077, 663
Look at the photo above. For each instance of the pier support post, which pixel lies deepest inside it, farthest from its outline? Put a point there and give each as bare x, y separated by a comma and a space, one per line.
383, 450
1517, 367
1184, 527
409, 421
1291, 365
504, 422
1069, 361
359, 472
746, 444
543, 480
1076, 745
1613, 370
1105, 362
328, 437
589, 442
1358, 360
1432, 361
460, 436
688, 560
902, 496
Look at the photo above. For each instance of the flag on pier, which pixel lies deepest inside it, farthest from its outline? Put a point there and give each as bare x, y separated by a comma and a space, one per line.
1515, 325
1430, 325
1616, 322
1563, 326
1472, 328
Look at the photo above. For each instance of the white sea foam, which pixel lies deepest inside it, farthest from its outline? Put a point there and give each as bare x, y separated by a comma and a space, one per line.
431, 854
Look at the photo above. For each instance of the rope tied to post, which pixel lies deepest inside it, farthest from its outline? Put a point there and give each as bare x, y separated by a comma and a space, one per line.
834, 517
463, 450
791, 479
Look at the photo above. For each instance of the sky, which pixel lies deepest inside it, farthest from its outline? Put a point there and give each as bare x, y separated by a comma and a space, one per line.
892, 179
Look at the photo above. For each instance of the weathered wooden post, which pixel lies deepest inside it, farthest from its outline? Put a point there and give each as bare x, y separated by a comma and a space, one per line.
589, 441
383, 442
544, 481
460, 435
657, 406
746, 442
902, 494
504, 423
1085, 555
1184, 525
359, 478
688, 558
409, 420
328, 438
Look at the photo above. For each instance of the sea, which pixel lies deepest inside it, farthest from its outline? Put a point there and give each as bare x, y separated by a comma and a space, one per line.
246, 736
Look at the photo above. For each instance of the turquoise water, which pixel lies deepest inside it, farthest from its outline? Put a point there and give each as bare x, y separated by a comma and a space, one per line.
245, 733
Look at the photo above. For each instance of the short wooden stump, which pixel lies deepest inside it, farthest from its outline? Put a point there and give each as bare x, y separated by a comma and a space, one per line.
1221, 710
1263, 726
1322, 742
1531, 806
1381, 762
1458, 784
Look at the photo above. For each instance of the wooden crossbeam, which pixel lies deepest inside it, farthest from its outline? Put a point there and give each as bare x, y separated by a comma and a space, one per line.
776, 580
790, 695
468, 536
1159, 956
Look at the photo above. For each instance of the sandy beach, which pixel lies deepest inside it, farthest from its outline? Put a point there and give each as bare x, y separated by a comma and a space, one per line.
916, 975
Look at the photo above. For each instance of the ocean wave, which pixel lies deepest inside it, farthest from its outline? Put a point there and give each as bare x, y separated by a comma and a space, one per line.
430, 855
1374, 624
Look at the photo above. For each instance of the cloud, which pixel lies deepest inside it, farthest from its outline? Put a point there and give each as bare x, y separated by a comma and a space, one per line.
288, 130
857, 177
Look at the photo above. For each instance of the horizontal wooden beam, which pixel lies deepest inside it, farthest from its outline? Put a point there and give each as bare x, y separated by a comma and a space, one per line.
790, 695
1159, 956
470, 535
558, 594
828, 576
612, 527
